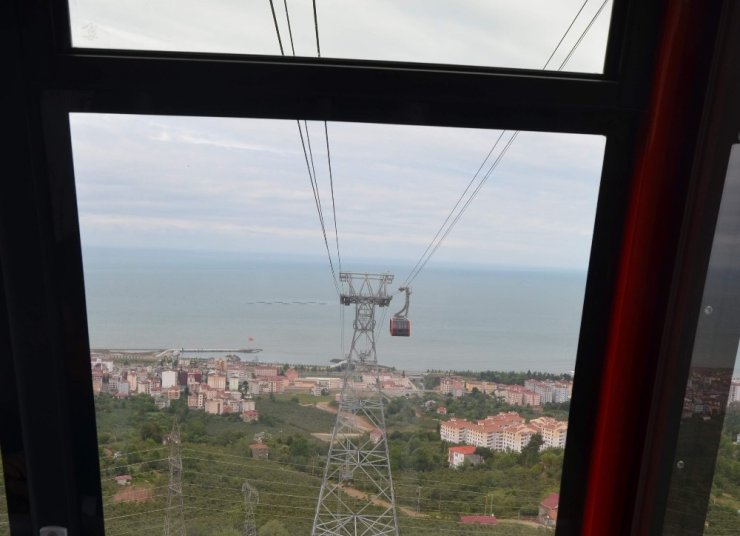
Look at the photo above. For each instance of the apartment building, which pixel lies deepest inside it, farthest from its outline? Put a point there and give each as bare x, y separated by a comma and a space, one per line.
553, 432
517, 436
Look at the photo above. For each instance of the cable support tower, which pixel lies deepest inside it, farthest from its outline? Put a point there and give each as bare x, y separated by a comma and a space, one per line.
457, 211
358, 453
251, 500
174, 520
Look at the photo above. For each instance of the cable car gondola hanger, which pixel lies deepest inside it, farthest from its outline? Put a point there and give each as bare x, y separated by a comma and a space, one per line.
400, 325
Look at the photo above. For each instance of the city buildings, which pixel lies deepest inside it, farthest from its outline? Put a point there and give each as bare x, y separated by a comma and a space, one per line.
504, 431
533, 393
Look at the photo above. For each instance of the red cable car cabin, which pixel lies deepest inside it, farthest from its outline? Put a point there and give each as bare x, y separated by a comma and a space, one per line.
400, 324
400, 327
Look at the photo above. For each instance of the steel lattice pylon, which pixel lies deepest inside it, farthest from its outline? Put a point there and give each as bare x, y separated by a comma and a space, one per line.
356, 457
174, 521
251, 499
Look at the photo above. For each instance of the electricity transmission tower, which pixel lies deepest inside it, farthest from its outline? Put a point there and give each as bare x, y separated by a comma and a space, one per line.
174, 521
251, 499
358, 454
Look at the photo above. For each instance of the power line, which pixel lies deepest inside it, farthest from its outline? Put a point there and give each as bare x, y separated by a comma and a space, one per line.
116, 467
402, 482
437, 241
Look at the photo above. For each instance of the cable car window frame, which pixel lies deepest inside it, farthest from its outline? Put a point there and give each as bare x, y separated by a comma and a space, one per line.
51, 80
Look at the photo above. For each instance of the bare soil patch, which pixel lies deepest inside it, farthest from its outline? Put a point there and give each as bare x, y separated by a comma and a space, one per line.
134, 494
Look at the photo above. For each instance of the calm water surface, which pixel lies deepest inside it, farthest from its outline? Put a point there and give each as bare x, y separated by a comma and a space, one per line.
462, 318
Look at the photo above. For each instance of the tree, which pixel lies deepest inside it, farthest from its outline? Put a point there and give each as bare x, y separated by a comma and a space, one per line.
484, 452
430, 382
273, 528
151, 430
530, 454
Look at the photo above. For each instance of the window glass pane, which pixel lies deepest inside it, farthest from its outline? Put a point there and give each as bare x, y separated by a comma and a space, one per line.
721, 362
211, 303
704, 491
475, 32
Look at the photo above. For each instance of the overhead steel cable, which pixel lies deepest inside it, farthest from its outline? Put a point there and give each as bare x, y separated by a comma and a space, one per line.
583, 35
331, 185
313, 167
554, 51
316, 26
317, 200
326, 136
290, 31
467, 204
308, 152
312, 170
277, 28
331, 176
437, 240
454, 208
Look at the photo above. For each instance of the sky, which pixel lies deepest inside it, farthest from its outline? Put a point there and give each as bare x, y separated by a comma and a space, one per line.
503, 33
242, 184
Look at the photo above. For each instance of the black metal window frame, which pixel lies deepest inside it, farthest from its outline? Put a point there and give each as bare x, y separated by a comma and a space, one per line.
51, 438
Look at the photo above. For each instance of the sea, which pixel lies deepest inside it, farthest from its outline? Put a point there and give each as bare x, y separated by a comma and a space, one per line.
462, 317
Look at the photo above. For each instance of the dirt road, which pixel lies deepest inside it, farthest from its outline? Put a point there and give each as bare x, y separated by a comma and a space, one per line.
357, 494
362, 423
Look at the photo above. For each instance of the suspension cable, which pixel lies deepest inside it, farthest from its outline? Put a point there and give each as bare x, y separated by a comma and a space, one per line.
316, 26
331, 184
290, 31
308, 152
317, 200
437, 240
277, 28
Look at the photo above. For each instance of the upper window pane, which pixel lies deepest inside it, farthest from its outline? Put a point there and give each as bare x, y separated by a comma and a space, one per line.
474, 32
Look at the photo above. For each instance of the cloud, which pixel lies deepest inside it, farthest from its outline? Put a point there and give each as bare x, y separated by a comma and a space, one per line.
230, 184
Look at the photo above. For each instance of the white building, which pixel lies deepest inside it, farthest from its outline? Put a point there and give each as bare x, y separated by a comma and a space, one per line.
456, 456
517, 437
233, 383
735, 390
169, 378
455, 431
553, 432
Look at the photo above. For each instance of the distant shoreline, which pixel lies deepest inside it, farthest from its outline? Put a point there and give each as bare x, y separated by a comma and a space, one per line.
151, 355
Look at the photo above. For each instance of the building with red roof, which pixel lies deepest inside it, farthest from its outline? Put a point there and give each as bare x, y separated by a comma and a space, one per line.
548, 511
259, 451
457, 456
